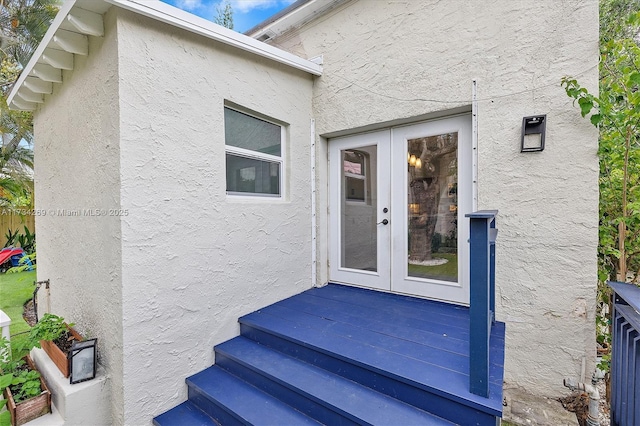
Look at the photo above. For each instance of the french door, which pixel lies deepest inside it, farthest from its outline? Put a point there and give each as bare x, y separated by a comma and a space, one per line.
397, 203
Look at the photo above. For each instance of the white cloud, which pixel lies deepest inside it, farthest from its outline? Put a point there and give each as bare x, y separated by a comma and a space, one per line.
244, 6
189, 5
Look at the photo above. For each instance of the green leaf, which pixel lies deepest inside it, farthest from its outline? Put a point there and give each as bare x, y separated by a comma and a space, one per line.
634, 79
5, 418
596, 119
5, 380
585, 106
18, 380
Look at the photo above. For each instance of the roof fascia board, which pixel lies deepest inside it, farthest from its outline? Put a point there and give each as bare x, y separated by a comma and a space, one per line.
171, 15
178, 18
57, 21
295, 16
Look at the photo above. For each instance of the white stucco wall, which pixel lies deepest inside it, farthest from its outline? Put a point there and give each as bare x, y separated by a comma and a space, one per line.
193, 259
77, 166
387, 61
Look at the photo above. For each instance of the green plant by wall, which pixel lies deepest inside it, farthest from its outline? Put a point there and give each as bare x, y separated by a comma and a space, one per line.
50, 327
23, 382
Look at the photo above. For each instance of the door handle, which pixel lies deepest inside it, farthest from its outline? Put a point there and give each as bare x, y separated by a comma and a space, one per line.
384, 222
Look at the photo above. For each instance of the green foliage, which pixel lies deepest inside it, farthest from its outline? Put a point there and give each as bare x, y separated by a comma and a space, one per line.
616, 112
50, 327
224, 15
11, 237
24, 266
24, 382
26, 240
23, 23
605, 363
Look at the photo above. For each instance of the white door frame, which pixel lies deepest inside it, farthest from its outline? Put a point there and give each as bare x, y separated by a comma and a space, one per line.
392, 270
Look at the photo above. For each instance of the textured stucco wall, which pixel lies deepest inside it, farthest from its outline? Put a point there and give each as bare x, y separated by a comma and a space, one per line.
389, 60
193, 259
77, 164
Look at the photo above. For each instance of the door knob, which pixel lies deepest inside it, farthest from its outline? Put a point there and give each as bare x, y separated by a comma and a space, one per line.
384, 222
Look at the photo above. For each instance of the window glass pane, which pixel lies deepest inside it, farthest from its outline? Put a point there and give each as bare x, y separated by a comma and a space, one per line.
243, 131
252, 176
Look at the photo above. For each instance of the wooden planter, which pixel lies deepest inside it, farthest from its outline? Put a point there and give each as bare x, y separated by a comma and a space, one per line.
32, 408
58, 357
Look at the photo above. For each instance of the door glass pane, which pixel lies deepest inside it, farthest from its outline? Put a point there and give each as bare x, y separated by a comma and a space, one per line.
433, 207
359, 239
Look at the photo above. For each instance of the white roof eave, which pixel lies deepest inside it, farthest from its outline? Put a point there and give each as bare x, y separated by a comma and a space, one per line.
63, 43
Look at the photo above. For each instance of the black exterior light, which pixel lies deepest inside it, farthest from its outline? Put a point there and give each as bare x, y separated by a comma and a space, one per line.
533, 129
82, 361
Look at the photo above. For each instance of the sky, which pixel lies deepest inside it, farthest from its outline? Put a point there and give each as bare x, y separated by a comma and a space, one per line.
246, 13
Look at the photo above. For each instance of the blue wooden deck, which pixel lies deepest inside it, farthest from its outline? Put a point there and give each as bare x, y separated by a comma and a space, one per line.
345, 355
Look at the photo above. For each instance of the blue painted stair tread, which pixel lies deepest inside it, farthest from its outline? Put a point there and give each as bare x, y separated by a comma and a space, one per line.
447, 337
184, 414
242, 401
351, 400
392, 304
449, 383
401, 347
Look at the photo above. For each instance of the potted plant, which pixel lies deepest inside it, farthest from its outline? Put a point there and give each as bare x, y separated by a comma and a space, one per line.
26, 395
55, 337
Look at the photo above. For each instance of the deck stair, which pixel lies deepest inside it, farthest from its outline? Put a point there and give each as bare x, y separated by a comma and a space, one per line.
341, 355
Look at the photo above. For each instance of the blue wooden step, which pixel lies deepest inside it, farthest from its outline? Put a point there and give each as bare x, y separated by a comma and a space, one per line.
232, 401
325, 396
184, 414
339, 355
433, 381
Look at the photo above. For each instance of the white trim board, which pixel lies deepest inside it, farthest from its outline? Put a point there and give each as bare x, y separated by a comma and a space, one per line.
155, 10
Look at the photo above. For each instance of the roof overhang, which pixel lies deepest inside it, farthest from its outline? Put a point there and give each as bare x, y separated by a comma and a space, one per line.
78, 20
294, 16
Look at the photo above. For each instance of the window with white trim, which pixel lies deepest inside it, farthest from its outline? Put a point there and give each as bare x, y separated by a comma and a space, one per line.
254, 154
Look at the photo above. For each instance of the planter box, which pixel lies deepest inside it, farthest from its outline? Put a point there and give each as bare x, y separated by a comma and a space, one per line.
32, 408
58, 357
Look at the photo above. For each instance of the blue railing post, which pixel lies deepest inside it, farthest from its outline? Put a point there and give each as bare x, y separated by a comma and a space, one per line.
493, 234
625, 356
482, 235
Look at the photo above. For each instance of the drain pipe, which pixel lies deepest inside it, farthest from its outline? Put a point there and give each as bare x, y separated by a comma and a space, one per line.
594, 397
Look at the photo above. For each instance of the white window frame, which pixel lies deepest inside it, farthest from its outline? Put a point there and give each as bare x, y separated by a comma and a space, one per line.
255, 155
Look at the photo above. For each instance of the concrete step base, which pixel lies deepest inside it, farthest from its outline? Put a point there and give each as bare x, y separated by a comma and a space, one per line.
85, 403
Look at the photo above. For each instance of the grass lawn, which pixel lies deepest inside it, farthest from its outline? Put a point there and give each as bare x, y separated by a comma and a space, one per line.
15, 291
446, 272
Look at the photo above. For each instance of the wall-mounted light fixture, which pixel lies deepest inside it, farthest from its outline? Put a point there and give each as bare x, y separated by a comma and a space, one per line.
533, 130
82, 361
